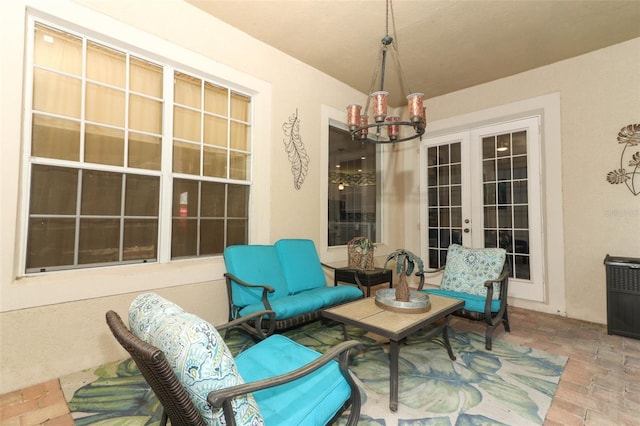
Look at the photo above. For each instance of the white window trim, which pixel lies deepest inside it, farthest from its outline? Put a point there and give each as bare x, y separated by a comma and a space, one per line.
66, 286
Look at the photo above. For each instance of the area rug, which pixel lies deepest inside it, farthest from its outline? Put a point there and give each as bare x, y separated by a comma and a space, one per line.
509, 385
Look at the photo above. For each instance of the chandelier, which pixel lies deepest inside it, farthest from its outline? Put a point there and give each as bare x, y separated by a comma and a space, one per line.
386, 129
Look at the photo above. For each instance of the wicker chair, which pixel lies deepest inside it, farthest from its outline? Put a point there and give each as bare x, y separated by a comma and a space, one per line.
179, 409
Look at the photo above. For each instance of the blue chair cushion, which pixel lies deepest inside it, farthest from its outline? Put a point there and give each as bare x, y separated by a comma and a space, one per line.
467, 269
145, 312
324, 391
198, 356
300, 264
472, 302
255, 264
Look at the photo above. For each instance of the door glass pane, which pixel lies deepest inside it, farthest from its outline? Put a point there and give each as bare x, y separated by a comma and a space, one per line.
505, 198
444, 177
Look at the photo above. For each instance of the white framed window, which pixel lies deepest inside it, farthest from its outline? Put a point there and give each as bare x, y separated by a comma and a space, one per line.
128, 159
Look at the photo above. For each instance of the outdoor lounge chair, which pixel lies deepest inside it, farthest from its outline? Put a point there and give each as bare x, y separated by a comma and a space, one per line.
480, 277
198, 381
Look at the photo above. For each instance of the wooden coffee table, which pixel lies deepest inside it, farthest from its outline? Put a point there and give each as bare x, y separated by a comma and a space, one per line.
395, 326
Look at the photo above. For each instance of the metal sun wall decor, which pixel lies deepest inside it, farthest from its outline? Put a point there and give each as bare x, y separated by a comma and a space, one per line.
630, 137
295, 150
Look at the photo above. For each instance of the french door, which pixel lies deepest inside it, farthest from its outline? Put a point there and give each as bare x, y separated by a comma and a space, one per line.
481, 188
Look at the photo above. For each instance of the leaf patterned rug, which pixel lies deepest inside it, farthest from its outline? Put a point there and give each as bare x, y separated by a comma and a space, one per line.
510, 385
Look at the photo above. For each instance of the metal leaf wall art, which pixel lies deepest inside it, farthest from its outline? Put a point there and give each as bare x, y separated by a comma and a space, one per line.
295, 150
629, 136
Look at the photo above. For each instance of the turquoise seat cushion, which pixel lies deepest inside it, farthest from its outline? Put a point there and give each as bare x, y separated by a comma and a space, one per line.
300, 264
472, 302
305, 302
198, 356
335, 295
323, 392
467, 269
287, 307
255, 264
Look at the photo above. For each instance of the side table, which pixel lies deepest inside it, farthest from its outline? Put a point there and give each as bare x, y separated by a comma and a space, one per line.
367, 278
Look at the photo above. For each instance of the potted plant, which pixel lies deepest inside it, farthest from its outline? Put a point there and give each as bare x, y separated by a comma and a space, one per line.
406, 263
361, 253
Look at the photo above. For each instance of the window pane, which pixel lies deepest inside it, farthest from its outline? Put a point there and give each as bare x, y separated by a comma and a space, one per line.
213, 200
185, 198
239, 166
186, 124
519, 143
215, 99
238, 205
184, 238
211, 237
101, 193
58, 50
53, 190
145, 77
215, 131
104, 145
186, 158
140, 239
55, 138
50, 243
56, 94
142, 196
187, 90
99, 241
240, 107
239, 136
237, 231
145, 151
105, 105
106, 65
215, 162
353, 195
145, 114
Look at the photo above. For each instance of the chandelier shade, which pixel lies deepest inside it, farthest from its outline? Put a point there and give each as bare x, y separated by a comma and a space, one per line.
386, 129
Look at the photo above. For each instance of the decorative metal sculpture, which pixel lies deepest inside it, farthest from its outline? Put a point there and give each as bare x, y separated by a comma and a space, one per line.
295, 150
630, 137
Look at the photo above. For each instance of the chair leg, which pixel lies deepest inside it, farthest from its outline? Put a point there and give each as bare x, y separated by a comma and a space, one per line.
505, 321
488, 335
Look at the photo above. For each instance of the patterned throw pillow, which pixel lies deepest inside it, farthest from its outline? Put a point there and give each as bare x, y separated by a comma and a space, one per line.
197, 354
468, 269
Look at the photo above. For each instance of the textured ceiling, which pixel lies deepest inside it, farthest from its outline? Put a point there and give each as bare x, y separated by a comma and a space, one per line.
444, 46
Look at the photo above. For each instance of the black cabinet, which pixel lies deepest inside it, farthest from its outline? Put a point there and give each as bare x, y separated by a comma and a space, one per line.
623, 296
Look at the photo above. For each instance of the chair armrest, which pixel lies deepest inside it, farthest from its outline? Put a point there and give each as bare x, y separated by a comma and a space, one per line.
355, 275
503, 282
258, 317
237, 280
429, 271
266, 289
222, 397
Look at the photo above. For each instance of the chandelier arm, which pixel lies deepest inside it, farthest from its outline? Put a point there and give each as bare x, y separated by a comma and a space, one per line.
374, 78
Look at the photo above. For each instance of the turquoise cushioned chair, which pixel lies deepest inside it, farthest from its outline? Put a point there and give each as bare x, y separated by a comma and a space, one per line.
480, 277
198, 382
286, 278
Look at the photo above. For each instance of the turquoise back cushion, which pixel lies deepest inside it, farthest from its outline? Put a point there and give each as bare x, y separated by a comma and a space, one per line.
255, 264
468, 268
300, 264
197, 354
